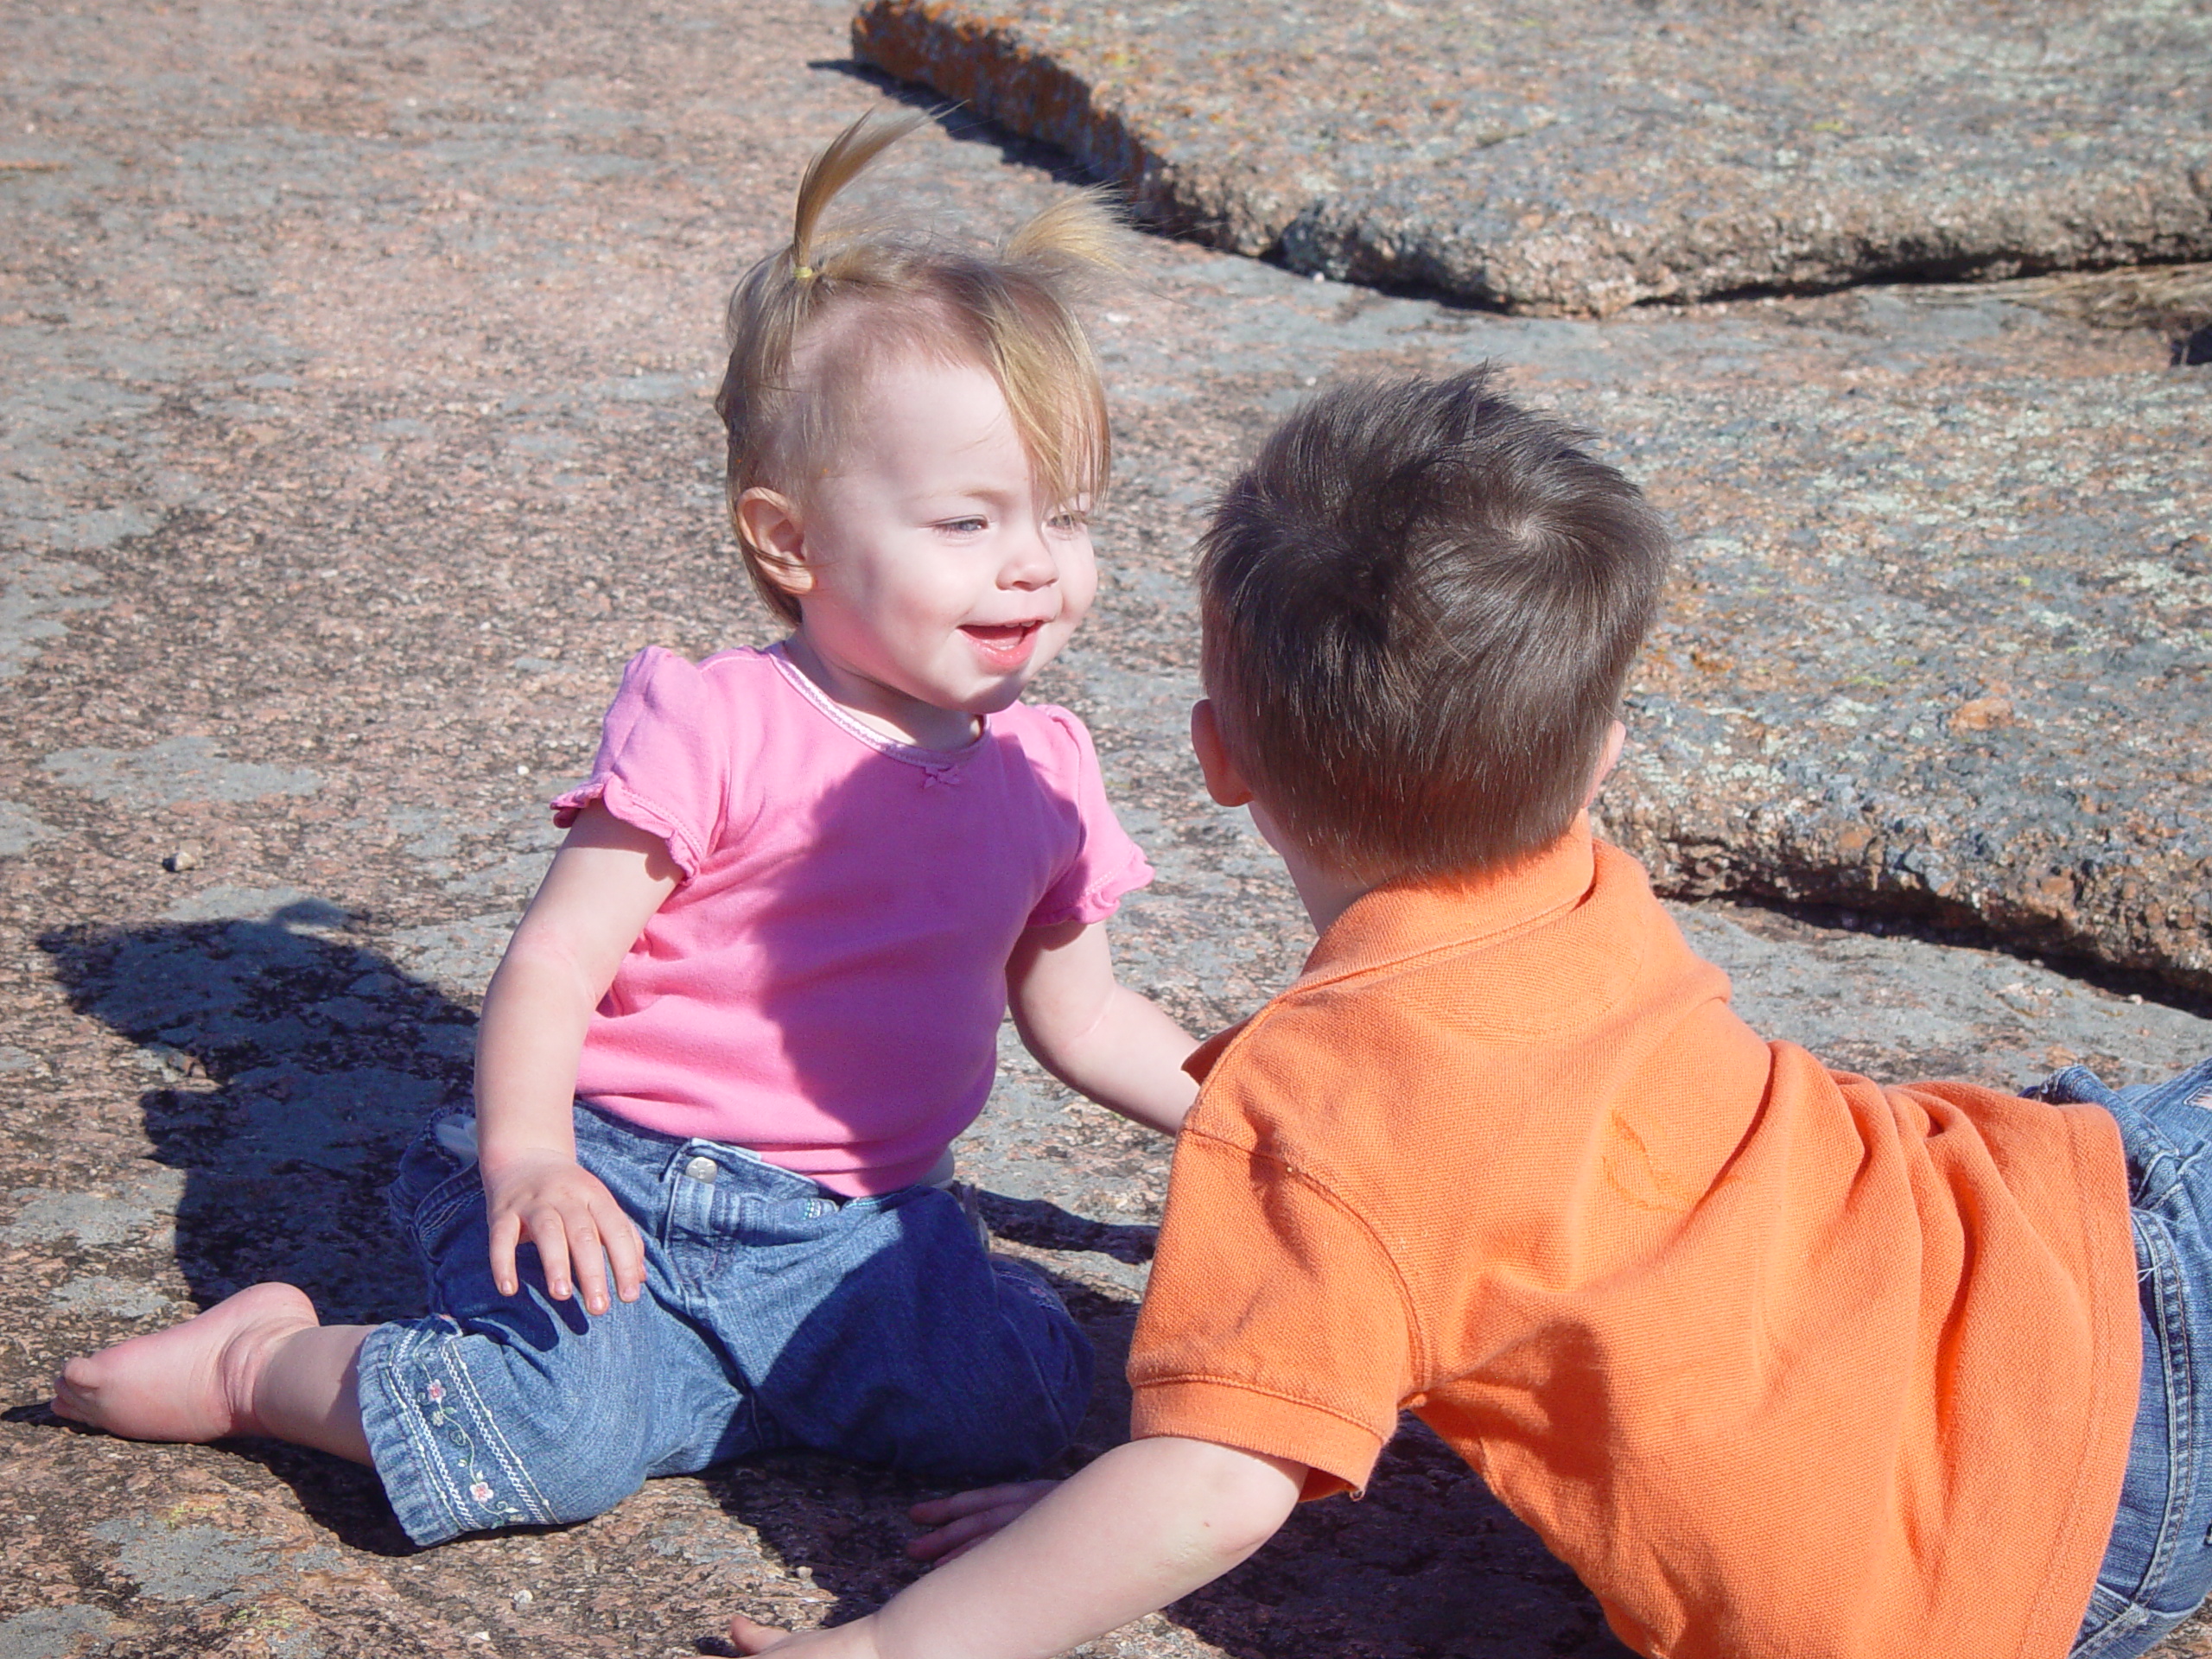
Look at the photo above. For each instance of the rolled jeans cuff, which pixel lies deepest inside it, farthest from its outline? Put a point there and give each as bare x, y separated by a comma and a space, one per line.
446, 1468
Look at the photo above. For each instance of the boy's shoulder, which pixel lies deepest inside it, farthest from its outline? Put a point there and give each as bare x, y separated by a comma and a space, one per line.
1425, 1006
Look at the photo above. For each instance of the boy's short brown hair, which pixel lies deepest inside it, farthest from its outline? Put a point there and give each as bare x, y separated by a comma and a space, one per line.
1420, 602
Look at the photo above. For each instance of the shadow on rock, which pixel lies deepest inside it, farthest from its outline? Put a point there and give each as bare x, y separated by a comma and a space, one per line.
842, 1528
1046, 1226
959, 121
298, 1064
1429, 1566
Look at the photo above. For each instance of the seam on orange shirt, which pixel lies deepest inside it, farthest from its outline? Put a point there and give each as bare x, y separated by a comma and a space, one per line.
1241, 1385
2101, 1405
1422, 1360
1430, 953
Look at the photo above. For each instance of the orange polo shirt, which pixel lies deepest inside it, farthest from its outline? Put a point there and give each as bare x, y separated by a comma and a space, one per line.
1784, 1363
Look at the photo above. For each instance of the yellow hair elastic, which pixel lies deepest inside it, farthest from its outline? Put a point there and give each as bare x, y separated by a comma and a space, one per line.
804, 273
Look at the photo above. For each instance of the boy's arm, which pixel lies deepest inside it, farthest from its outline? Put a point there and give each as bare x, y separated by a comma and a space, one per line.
1145, 1524
605, 882
1093, 1033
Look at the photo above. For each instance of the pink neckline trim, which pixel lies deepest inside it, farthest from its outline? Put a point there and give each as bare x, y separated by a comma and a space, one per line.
912, 753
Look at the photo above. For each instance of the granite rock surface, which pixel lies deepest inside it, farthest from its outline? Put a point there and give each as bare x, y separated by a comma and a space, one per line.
356, 368
1584, 157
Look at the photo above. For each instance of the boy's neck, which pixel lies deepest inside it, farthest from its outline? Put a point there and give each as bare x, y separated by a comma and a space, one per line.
1327, 892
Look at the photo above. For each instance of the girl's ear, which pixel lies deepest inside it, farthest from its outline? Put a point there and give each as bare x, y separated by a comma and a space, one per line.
769, 524
1224, 782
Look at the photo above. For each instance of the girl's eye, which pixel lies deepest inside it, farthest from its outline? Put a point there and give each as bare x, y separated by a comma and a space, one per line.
1069, 522
963, 526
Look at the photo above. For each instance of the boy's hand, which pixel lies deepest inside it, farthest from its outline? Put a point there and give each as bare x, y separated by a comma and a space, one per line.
965, 1519
566, 1212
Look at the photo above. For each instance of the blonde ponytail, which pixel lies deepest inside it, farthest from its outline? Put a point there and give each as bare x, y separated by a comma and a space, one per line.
839, 162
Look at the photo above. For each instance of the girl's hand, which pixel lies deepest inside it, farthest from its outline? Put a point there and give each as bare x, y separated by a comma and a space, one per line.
606, 881
853, 1640
965, 1519
566, 1212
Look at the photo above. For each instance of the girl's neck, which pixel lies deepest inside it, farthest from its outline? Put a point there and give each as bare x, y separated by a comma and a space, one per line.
897, 716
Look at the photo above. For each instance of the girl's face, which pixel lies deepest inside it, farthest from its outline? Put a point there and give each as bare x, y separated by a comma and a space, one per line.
932, 579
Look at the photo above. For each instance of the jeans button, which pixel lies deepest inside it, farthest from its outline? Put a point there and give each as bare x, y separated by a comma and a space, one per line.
702, 1169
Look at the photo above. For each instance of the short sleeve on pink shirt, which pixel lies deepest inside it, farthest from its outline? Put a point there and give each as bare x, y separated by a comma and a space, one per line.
824, 986
1107, 864
663, 758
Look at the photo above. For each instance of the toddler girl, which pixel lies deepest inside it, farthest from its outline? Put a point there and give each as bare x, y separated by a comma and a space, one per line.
758, 993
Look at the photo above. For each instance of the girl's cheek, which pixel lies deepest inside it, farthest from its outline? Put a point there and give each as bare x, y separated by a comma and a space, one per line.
1081, 588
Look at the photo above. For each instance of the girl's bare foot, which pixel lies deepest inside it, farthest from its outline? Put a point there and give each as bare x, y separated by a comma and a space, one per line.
192, 1382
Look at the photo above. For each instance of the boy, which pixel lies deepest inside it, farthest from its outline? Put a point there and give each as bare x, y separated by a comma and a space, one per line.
1781, 1362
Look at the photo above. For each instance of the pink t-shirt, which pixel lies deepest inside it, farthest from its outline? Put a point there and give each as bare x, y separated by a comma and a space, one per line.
824, 986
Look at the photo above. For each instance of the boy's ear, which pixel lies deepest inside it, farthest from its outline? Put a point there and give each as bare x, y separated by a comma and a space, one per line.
770, 524
1608, 758
1224, 782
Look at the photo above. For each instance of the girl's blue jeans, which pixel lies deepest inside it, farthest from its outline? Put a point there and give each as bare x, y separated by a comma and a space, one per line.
776, 1315
2158, 1565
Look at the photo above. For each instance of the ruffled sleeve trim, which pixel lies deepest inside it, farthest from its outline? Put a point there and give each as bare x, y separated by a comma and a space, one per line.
664, 753
1102, 898
1106, 864
623, 802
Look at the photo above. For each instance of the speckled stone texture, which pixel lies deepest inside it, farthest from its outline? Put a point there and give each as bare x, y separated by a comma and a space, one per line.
354, 370
1585, 155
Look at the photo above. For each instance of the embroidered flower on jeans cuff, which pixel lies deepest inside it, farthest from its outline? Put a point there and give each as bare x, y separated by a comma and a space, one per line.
435, 1393
481, 1491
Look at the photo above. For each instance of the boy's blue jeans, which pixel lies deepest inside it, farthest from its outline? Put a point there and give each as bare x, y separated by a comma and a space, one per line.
775, 1315
2158, 1565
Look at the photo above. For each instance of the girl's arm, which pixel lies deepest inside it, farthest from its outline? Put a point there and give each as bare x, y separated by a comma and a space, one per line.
1094, 1034
605, 882
1148, 1522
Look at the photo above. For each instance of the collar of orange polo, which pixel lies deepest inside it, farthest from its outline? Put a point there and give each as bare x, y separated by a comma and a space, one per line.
1402, 918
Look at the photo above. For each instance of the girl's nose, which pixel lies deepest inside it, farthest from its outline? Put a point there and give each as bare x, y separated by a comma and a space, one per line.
1029, 561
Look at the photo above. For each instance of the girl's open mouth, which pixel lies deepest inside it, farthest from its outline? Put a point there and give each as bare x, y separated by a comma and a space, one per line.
1004, 645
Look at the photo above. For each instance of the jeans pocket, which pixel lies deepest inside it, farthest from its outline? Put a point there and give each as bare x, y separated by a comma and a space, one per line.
432, 1186
2123, 1632
2107, 1629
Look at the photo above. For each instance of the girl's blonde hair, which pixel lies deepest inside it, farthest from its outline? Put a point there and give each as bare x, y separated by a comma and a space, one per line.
809, 325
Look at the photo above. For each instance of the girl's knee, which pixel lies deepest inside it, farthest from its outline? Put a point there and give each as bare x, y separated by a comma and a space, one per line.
1060, 1351
1040, 1322
1022, 1407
